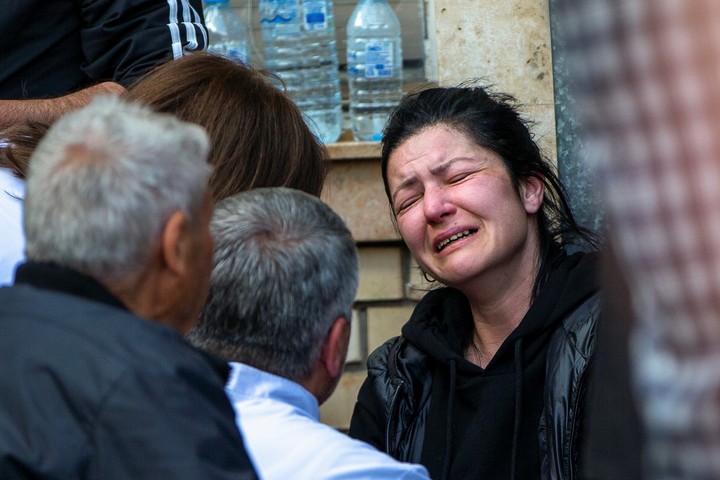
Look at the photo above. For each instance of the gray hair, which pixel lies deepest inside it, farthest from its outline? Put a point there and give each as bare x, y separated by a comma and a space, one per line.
104, 181
285, 269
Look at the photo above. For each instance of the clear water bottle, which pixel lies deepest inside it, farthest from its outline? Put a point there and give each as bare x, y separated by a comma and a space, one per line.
227, 33
300, 47
374, 63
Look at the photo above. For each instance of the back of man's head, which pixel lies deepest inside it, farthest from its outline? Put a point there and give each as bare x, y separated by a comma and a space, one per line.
103, 183
285, 270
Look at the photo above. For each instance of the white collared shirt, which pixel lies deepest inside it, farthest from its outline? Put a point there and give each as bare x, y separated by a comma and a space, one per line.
12, 237
280, 424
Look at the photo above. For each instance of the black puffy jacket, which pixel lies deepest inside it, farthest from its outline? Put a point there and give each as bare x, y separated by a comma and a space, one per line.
394, 402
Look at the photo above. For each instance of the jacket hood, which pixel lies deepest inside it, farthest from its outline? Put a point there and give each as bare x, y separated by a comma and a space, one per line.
441, 324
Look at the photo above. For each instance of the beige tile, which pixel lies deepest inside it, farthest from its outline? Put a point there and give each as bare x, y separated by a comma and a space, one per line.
337, 410
354, 189
384, 323
355, 352
347, 149
381, 276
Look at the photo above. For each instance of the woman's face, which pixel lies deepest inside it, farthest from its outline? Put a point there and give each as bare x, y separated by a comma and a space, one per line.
457, 209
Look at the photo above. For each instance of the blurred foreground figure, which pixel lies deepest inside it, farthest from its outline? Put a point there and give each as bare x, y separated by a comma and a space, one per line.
647, 76
97, 379
279, 309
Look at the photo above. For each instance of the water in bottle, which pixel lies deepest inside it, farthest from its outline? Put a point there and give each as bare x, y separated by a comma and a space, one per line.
374, 63
300, 47
227, 33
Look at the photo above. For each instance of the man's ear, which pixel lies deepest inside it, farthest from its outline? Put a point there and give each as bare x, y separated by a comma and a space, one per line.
172, 243
532, 192
335, 348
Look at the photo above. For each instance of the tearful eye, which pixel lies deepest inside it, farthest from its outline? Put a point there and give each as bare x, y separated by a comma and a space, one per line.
405, 204
406, 199
459, 178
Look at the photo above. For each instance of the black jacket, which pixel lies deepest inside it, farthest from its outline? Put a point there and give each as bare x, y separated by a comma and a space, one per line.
521, 417
53, 47
90, 391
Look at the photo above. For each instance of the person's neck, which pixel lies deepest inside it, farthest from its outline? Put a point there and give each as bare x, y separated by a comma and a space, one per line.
145, 296
498, 303
486, 340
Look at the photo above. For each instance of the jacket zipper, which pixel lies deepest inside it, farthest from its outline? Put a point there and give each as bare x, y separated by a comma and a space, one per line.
573, 427
392, 416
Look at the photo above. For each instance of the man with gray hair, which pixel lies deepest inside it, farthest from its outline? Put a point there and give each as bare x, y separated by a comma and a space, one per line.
97, 379
281, 295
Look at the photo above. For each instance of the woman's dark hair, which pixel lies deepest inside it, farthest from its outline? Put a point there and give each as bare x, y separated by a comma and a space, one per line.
258, 136
492, 121
17, 143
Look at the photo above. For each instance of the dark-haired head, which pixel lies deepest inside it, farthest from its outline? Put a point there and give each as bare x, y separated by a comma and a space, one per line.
491, 120
258, 135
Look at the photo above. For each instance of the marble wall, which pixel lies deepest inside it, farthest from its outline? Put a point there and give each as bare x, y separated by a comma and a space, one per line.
505, 43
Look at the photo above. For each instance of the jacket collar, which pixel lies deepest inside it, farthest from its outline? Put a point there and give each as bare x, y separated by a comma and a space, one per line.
49, 276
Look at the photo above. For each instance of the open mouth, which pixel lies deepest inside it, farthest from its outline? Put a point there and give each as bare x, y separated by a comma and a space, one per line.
441, 246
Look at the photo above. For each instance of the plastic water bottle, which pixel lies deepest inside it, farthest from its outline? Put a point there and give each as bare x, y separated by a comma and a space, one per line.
374, 62
227, 33
300, 47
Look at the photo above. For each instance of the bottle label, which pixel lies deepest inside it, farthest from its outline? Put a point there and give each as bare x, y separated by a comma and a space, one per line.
379, 59
315, 15
278, 11
235, 52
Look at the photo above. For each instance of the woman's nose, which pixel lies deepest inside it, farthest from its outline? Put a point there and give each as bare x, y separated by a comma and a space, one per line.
437, 204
